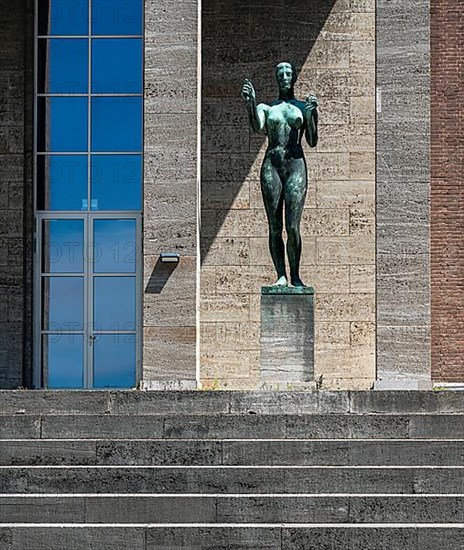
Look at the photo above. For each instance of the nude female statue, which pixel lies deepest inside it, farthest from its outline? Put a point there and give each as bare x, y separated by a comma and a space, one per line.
283, 172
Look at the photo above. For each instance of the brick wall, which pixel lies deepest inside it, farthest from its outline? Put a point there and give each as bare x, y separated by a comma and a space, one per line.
447, 190
332, 44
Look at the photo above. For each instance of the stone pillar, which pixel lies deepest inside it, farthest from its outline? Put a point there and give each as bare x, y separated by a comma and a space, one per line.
287, 335
403, 194
170, 193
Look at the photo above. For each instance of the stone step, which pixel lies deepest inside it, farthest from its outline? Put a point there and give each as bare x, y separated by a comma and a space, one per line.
225, 537
232, 426
291, 452
207, 402
231, 479
223, 508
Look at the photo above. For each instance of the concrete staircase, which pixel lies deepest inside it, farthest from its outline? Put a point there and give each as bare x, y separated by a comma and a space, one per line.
231, 470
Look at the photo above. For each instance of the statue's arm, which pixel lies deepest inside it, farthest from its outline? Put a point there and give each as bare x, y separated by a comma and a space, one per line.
256, 113
311, 116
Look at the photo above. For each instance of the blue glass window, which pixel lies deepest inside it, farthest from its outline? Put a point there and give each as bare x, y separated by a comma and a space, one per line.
114, 361
111, 314
117, 124
62, 182
62, 356
63, 66
63, 246
63, 304
63, 17
62, 124
117, 66
114, 246
117, 17
116, 182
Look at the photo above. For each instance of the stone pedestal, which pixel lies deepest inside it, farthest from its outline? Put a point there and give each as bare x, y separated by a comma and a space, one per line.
287, 334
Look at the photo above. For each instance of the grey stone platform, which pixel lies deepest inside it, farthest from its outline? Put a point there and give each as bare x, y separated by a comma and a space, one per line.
287, 334
220, 470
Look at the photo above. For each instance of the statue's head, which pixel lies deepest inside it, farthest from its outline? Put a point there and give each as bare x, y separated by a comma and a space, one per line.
286, 76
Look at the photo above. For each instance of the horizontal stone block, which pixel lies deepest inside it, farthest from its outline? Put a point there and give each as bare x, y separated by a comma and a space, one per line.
222, 195
225, 336
326, 279
354, 362
225, 308
362, 278
169, 293
349, 307
243, 279
362, 166
36, 452
402, 402
362, 110
353, 452
215, 140
241, 223
362, 53
345, 194
324, 222
362, 220
175, 234
352, 250
79, 538
328, 166
160, 538
332, 335
275, 480
228, 364
403, 352
347, 138
328, 55
164, 130
158, 452
260, 255
224, 251
160, 344
161, 17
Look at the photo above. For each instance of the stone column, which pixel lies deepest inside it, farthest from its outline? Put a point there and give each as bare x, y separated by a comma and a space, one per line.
403, 181
170, 193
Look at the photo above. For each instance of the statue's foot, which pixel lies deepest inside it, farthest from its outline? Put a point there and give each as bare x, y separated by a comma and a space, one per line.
297, 282
281, 281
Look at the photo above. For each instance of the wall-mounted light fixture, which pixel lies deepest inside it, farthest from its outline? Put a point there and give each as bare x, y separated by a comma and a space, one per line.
169, 257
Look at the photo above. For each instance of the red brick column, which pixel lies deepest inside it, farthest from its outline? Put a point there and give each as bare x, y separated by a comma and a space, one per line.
447, 190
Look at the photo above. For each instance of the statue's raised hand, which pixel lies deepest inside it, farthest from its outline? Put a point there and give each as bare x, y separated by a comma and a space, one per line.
311, 102
248, 91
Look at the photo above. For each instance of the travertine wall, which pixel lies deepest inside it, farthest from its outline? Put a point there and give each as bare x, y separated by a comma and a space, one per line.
170, 193
16, 93
332, 44
403, 195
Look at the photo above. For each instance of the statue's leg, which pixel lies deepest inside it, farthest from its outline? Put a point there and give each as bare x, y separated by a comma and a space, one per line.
295, 194
271, 187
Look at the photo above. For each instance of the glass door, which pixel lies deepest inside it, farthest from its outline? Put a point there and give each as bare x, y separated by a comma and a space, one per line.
88, 295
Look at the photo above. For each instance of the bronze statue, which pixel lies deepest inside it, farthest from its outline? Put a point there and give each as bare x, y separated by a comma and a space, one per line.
283, 172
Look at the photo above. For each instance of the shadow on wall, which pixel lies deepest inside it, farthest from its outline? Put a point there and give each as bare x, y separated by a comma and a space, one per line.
244, 39
159, 277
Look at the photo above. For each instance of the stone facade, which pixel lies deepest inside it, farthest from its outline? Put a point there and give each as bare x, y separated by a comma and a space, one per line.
332, 46
403, 194
16, 103
170, 193
386, 268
